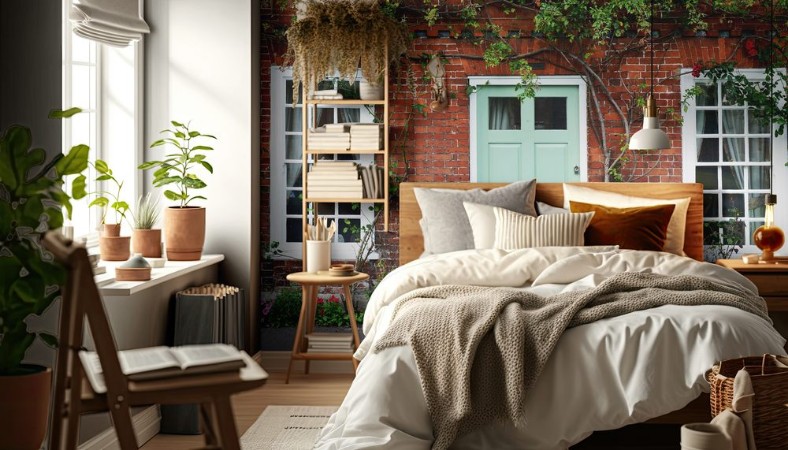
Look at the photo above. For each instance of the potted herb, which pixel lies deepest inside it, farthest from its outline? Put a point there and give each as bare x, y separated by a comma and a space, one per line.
144, 238
112, 245
32, 201
184, 224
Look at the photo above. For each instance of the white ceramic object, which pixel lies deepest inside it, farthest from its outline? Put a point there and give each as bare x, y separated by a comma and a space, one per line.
704, 436
369, 92
156, 263
318, 256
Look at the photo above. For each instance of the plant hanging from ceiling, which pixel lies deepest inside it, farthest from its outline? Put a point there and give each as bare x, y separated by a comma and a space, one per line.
339, 36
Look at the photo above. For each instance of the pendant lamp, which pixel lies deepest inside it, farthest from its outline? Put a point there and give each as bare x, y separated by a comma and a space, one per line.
651, 137
769, 237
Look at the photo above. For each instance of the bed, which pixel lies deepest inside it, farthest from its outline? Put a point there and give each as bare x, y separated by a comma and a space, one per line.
643, 366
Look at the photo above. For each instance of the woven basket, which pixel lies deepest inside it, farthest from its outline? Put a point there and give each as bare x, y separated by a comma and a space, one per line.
770, 404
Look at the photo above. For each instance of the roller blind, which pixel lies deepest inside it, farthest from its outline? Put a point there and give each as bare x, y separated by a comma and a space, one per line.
112, 22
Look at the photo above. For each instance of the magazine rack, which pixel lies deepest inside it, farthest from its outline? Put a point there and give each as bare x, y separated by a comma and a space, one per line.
74, 396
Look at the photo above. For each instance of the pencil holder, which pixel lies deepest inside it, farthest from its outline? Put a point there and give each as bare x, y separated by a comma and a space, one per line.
318, 256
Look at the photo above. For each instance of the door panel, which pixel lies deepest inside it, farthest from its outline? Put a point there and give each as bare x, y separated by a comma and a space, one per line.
544, 132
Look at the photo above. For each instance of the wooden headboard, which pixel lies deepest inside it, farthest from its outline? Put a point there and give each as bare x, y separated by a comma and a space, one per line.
411, 242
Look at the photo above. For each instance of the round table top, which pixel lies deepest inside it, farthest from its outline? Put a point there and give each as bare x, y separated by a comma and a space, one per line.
324, 278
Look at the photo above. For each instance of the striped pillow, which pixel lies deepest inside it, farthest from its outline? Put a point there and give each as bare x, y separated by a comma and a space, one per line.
514, 230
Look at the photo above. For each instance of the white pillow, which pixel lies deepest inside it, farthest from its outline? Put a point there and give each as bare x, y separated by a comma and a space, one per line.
674, 241
482, 219
514, 230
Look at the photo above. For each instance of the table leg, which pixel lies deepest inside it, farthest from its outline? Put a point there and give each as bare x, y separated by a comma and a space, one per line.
299, 330
353, 326
310, 323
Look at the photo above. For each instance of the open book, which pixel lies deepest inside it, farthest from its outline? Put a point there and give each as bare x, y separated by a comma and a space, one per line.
163, 362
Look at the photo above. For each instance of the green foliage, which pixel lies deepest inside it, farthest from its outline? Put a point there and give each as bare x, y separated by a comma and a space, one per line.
108, 199
724, 238
496, 53
32, 201
333, 313
147, 212
283, 311
178, 168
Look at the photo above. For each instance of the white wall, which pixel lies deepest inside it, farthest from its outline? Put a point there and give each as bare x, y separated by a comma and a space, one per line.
201, 65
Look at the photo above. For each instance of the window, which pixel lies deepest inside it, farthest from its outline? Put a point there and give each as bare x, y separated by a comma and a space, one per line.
106, 83
286, 167
727, 150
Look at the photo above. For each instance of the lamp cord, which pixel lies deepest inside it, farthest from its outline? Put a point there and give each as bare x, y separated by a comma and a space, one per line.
771, 99
651, 45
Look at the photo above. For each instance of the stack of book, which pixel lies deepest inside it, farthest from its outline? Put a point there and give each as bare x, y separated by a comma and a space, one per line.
335, 136
337, 179
366, 136
372, 180
330, 343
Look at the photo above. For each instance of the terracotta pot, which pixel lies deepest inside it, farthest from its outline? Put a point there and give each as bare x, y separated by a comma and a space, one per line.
184, 232
147, 242
113, 246
23, 417
111, 230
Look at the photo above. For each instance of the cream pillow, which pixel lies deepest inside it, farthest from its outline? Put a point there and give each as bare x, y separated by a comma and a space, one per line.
514, 230
674, 242
482, 219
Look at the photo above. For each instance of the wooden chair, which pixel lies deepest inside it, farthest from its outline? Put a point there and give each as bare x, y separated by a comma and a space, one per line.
73, 395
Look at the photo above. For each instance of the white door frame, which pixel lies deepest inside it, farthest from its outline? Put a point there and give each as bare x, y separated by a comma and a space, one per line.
547, 80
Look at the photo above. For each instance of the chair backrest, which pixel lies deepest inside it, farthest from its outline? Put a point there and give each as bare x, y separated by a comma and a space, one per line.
80, 299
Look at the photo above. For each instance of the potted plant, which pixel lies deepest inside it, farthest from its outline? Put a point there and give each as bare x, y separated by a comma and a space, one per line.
144, 238
112, 245
32, 201
184, 225
339, 37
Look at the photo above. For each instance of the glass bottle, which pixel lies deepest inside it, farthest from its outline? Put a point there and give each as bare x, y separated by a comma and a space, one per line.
769, 237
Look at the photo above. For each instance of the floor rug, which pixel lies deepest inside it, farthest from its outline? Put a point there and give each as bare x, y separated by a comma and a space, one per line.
286, 428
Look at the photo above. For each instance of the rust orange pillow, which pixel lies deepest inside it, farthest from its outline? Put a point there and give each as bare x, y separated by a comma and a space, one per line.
638, 228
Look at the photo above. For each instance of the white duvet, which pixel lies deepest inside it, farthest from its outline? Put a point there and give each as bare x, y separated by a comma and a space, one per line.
602, 375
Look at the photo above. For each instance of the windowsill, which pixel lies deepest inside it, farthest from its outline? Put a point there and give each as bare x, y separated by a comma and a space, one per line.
172, 269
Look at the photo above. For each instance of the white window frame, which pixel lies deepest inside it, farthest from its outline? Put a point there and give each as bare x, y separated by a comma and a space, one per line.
116, 134
690, 150
278, 200
547, 80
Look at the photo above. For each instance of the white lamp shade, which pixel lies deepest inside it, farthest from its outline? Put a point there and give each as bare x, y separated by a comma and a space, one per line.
651, 137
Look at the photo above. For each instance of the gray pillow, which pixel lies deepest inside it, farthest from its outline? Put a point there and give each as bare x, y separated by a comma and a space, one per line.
545, 209
446, 222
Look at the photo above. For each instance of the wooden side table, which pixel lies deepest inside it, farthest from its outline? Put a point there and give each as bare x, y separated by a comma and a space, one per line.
306, 320
771, 280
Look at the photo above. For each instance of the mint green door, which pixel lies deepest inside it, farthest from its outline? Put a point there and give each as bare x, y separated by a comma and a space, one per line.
536, 138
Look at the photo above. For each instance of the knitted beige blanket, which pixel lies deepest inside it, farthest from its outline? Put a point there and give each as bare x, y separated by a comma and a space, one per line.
479, 350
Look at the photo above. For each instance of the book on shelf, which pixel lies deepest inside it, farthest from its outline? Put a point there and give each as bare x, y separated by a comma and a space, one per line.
337, 127
327, 97
332, 176
329, 350
334, 194
333, 165
165, 362
332, 337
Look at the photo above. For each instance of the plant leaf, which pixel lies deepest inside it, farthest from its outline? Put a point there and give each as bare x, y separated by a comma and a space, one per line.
79, 188
99, 201
103, 177
202, 147
64, 114
207, 166
172, 195
157, 143
193, 182
48, 339
75, 162
102, 167
148, 164
176, 124
120, 206
194, 133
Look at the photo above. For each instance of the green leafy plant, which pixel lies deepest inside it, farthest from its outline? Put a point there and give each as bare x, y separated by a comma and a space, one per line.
331, 312
32, 201
178, 168
723, 238
109, 198
283, 311
146, 213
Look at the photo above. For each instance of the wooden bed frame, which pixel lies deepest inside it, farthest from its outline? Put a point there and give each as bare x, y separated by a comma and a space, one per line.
411, 241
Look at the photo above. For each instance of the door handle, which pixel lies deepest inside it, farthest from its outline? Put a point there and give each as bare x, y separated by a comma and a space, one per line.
577, 170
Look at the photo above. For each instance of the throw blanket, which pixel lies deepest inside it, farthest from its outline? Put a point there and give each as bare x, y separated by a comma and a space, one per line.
479, 350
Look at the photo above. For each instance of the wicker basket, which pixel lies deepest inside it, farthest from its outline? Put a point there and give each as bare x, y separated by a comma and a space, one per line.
769, 376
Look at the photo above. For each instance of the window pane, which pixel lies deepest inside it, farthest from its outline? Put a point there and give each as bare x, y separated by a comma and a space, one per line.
504, 113
292, 119
707, 176
326, 209
733, 205
708, 150
324, 116
81, 129
732, 177
294, 232
759, 177
348, 209
289, 92
733, 149
293, 174
710, 205
346, 228
755, 125
759, 149
80, 49
757, 208
293, 144
706, 122
550, 113
707, 96
733, 121
80, 87
348, 115
293, 201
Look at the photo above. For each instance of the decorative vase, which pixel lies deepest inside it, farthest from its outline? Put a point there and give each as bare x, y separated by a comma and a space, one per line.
147, 242
703, 436
184, 232
23, 417
318, 256
368, 91
112, 246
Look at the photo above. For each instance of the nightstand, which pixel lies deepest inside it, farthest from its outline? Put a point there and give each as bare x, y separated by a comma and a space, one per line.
306, 321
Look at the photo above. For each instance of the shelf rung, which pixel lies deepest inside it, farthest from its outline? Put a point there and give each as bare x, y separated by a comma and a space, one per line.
345, 200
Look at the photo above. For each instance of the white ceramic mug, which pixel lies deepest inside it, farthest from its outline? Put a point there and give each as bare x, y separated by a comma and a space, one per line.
318, 255
704, 436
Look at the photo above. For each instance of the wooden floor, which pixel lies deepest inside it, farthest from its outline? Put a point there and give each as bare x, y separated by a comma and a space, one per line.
329, 389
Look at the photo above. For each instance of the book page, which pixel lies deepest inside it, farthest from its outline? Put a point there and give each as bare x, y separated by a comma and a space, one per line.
92, 369
198, 355
146, 360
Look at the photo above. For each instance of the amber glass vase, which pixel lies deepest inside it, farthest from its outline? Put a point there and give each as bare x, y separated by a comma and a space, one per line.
769, 237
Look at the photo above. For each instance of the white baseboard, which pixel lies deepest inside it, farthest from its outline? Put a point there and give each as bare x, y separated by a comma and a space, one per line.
278, 361
146, 425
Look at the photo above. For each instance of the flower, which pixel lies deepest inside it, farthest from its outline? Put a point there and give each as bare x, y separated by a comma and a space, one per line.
750, 48
696, 70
